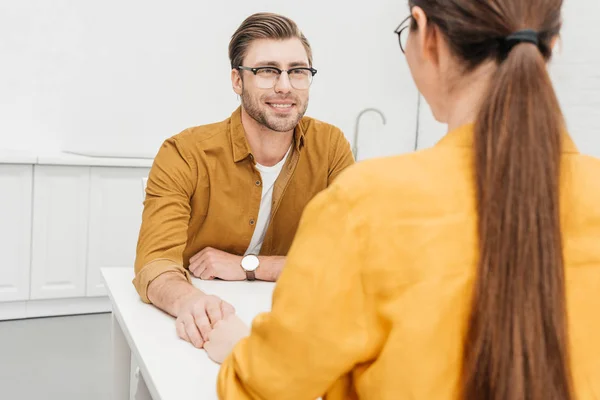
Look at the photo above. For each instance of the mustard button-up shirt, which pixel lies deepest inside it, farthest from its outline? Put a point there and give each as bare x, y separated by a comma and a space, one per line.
204, 191
375, 294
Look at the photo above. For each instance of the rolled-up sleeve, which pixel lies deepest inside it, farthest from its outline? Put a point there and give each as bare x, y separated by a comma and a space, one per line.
166, 216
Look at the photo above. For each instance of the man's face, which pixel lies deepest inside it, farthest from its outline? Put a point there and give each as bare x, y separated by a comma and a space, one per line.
280, 107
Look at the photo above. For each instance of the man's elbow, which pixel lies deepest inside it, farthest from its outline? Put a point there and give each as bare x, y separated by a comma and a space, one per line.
155, 272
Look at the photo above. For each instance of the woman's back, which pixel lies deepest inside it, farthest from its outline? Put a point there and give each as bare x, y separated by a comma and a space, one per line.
419, 210
375, 299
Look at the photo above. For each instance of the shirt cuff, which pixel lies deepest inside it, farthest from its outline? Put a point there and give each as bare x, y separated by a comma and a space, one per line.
153, 270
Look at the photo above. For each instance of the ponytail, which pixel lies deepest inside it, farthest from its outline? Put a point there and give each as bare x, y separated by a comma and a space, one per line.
516, 346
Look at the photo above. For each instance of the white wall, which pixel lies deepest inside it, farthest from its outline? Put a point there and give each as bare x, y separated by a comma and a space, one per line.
576, 73
116, 77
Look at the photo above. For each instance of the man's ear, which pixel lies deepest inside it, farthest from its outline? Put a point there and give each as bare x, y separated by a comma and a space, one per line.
236, 82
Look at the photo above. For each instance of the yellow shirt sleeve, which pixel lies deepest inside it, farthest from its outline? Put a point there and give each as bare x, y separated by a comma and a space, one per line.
317, 329
163, 234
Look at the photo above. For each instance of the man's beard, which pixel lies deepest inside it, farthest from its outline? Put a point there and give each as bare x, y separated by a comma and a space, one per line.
274, 123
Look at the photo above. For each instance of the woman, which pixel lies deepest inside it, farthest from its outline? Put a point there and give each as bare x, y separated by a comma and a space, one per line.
470, 270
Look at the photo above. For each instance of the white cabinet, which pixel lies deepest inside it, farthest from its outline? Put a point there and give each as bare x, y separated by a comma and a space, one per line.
115, 218
15, 228
63, 217
60, 230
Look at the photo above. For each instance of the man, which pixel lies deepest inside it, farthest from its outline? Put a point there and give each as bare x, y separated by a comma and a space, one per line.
224, 200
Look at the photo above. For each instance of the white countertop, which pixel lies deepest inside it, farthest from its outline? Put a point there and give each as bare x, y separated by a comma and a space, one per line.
17, 157
172, 368
63, 158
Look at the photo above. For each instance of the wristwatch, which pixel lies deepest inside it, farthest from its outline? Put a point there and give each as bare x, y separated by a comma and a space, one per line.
249, 264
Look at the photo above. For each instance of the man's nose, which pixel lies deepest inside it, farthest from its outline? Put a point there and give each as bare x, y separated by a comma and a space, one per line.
283, 84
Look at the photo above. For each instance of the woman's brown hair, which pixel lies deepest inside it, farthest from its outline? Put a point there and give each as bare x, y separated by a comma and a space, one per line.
516, 344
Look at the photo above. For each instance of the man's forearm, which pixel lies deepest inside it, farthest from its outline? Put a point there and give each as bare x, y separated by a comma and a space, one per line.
167, 291
270, 268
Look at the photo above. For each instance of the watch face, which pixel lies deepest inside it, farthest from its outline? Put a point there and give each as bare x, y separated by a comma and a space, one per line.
250, 263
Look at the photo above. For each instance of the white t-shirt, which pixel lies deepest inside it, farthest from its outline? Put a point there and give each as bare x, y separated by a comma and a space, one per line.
269, 176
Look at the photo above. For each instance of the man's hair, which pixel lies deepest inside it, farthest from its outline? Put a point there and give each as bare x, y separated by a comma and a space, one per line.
264, 26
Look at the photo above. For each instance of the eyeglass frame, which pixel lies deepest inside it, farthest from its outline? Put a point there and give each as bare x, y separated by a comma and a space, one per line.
400, 29
255, 70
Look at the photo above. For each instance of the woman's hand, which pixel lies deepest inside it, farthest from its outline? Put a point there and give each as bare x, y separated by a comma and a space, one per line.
224, 336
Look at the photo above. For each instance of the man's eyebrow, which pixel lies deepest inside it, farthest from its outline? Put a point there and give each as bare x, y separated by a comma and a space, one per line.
267, 64
293, 64
298, 64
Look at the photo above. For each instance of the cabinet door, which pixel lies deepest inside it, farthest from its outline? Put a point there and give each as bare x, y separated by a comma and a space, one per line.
60, 228
15, 231
115, 218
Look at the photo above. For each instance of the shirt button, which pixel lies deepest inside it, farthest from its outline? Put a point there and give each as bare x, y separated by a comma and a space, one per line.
251, 222
257, 183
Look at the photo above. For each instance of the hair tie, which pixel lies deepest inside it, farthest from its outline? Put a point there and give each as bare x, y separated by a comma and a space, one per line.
522, 36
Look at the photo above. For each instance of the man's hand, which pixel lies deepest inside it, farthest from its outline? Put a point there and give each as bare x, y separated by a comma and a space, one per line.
197, 314
211, 263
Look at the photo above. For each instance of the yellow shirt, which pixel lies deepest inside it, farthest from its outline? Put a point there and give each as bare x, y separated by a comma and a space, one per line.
374, 298
204, 191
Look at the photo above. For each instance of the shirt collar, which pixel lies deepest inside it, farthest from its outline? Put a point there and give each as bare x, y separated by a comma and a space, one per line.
239, 143
463, 137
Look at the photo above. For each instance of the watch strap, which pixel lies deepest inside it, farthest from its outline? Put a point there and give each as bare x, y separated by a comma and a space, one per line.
250, 275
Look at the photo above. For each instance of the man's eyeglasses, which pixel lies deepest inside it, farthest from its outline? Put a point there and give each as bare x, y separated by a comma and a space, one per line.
266, 77
402, 31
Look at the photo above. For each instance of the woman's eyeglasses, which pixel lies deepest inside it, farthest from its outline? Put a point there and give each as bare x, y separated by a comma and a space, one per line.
402, 31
